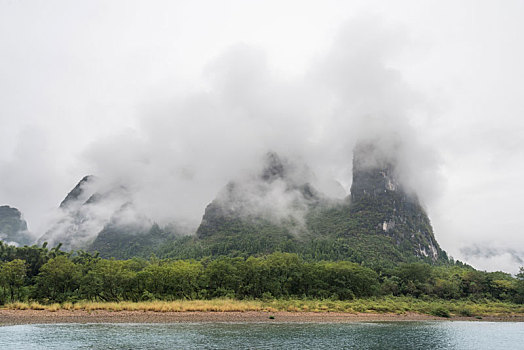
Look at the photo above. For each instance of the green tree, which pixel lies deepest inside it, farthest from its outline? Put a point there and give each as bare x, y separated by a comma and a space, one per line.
12, 277
346, 280
172, 280
108, 280
415, 278
222, 277
58, 280
519, 288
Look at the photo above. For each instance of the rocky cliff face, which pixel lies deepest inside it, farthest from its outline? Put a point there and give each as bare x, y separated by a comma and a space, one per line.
13, 229
380, 203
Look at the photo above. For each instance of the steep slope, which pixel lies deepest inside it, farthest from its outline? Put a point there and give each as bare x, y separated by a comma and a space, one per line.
380, 223
260, 213
122, 241
129, 233
13, 229
380, 204
97, 217
84, 212
273, 209
79, 193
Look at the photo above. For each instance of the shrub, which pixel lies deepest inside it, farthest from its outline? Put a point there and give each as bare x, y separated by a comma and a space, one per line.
466, 312
440, 311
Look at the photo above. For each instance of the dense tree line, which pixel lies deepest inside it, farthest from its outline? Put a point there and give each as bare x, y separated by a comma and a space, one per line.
37, 273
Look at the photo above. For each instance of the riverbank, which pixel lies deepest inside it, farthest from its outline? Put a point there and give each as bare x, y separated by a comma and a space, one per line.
14, 317
277, 310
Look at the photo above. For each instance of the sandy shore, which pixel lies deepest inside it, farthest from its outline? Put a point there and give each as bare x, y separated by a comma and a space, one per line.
11, 317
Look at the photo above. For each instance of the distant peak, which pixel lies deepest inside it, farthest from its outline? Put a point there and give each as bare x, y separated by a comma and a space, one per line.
274, 167
374, 169
6, 210
77, 191
13, 228
369, 154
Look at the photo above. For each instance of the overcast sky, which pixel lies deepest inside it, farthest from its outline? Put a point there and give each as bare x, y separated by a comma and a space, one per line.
177, 97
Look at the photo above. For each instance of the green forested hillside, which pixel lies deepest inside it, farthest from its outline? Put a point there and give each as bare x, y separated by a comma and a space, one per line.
127, 241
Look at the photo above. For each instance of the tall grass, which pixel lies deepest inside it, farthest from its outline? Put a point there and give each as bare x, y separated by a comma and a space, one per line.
398, 305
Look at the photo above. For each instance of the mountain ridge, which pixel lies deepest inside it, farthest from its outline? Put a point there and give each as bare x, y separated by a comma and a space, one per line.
276, 209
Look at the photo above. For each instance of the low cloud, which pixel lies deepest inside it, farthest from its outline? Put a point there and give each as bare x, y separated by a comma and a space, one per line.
187, 148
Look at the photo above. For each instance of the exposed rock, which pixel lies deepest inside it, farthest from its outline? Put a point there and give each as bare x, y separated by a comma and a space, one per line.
78, 192
379, 200
13, 228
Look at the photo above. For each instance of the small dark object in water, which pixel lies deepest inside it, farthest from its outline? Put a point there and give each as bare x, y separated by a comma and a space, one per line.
271, 317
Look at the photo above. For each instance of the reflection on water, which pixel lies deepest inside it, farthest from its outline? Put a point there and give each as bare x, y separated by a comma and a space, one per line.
379, 335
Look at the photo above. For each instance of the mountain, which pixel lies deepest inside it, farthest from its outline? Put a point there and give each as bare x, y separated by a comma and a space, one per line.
260, 213
95, 216
79, 193
126, 241
380, 222
275, 208
84, 212
380, 204
13, 228
129, 233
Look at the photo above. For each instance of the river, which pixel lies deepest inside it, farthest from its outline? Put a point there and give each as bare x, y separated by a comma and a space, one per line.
373, 335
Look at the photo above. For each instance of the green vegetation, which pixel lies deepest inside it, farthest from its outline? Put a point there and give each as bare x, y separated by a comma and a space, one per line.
279, 281
375, 251
122, 242
378, 226
386, 304
341, 232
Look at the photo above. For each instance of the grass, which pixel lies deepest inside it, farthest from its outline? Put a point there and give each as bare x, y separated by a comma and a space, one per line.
398, 305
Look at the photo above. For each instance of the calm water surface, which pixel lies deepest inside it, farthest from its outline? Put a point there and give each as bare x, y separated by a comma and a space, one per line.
398, 335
